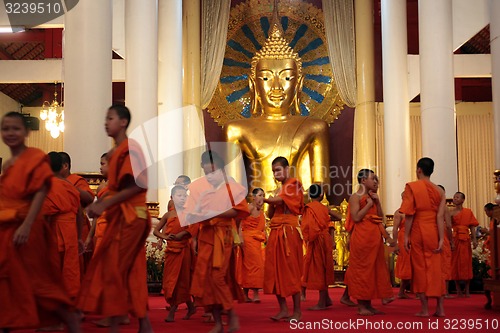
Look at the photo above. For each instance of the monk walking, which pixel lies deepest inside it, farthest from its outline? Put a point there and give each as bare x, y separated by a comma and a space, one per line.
284, 254
86, 198
179, 255
215, 201
424, 204
115, 283
31, 279
62, 209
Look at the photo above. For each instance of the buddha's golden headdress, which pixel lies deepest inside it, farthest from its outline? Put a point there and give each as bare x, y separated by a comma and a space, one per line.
276, 47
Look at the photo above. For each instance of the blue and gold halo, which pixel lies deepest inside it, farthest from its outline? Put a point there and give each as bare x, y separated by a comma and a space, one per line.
248, 29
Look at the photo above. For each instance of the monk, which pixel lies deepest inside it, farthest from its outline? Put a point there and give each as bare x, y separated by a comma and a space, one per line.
318, 262
448, 248
62, 209
368, 276
179, 255
94, 238
403, 264
215, 206
31, 287
115, 283
424, 204
99, 226
284, 254
252, 229
488, 210
464, 229
182, 180
86, 198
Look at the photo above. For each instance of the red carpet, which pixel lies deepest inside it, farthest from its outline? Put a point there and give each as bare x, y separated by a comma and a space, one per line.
462, 315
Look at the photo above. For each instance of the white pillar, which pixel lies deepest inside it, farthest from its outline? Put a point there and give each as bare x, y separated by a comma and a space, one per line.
364, 116
437, 92
495, 73
141, 78
396, 108
170, 139
88, 82
194, 135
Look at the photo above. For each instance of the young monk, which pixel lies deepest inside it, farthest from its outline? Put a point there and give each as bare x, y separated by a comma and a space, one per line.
115, 283
488, 244
86, 198
32, 293
464, 230
97, 232
182, 180
368, 275
62, 209
99, 226
179, 255
318, 262
216, 207
423, 205
252, 229
284, 254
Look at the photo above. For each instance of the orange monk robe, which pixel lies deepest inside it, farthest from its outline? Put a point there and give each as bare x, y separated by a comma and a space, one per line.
100, 221
368, 275
179, 264
422, 199
214, 280
30, 279
461, 259
252, 229
80, 183
318, 262
284, 255
115, 282
489, 245
446, 255
403, 264
60, 208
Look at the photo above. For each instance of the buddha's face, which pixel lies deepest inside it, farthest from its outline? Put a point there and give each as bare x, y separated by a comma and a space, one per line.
276, 85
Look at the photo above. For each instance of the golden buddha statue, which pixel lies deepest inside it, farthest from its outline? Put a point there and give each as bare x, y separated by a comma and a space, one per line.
341, 238
276, 127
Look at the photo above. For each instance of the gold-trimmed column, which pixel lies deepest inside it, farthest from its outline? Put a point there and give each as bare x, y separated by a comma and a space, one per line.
364, 153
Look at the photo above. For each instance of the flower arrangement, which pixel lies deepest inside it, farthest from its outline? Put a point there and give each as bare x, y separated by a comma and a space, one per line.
154, 261
480, 256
